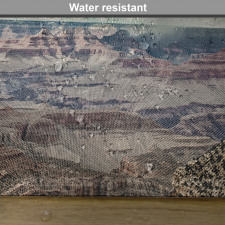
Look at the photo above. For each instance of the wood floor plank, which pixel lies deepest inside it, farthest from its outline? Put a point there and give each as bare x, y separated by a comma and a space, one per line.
119, 211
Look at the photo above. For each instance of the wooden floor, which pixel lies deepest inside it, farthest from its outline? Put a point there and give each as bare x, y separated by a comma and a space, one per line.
107, 211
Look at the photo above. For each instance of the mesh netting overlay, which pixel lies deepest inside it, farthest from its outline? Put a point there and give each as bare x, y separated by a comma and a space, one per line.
112, 107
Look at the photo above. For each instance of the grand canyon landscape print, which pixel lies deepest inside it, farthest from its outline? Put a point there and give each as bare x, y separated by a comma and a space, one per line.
107, 107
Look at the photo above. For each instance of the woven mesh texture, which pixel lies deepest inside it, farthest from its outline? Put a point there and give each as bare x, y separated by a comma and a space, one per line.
111, 109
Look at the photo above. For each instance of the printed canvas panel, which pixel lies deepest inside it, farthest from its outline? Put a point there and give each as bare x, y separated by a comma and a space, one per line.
112, 107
